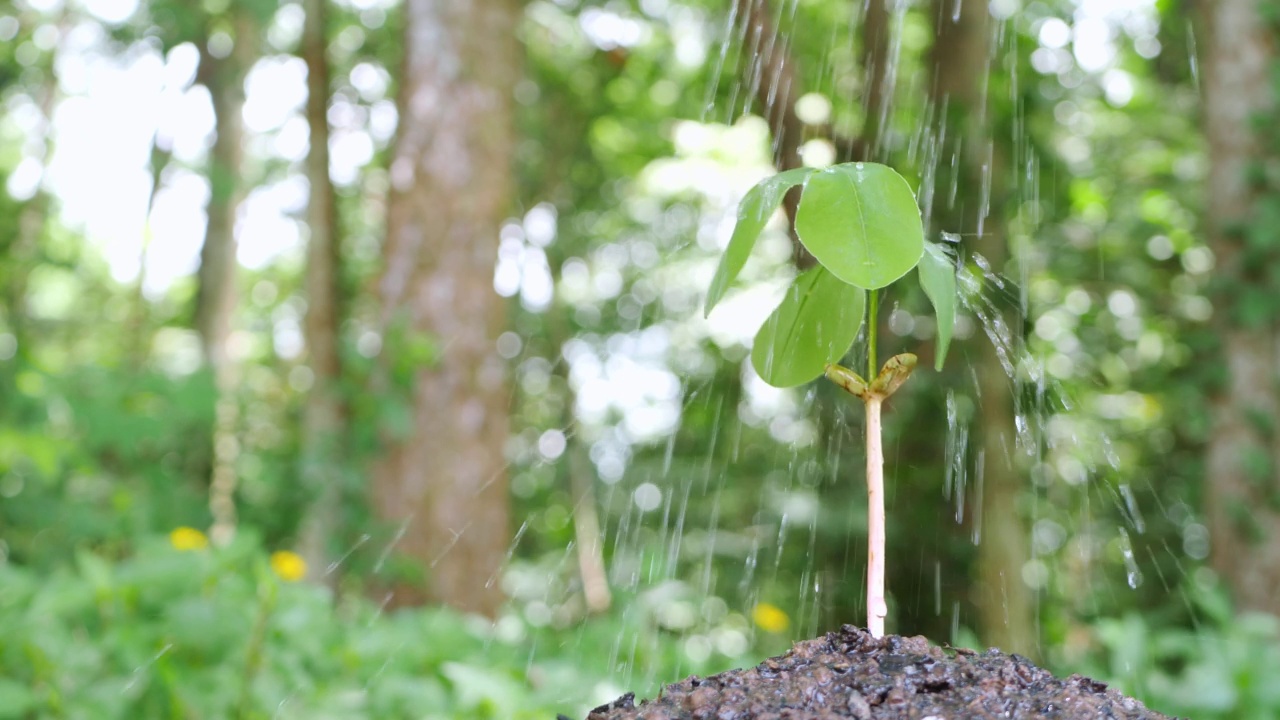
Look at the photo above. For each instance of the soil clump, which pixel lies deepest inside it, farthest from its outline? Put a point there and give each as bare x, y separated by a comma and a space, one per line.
850, 674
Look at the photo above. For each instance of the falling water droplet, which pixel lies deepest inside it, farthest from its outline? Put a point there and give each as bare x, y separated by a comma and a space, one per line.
511, 551
1164, 582
782, 541
956, 477
987, 271
984, 194
141, 669
1131, 504
333, 566
390, 547
668, 454
749, 566
1109, 452
937, 588
710, 103
1193, 56
1132, 574
952, 418
977, 501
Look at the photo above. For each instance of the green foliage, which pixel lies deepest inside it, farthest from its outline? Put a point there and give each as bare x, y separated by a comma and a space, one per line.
860, 220
98, 456
938, 278
815, 324
1227, 666
215, 633
94, 457
757, 206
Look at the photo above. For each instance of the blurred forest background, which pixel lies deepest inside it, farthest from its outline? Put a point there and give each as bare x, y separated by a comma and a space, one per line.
352, 361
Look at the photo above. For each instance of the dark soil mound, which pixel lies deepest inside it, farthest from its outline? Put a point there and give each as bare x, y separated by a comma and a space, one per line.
849, 674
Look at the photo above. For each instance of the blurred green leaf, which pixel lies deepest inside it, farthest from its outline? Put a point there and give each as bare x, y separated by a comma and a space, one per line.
484, 688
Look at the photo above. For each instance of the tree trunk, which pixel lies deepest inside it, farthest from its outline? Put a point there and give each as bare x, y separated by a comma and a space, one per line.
774, 79
962, 48
451, 188
1243, 484
878, 78
216, 299
323, 415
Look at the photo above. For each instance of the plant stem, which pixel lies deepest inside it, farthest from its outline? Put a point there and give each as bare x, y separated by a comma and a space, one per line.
873, 311
877, 608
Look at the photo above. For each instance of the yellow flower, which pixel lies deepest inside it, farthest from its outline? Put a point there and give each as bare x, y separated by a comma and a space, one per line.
288, 565
770, 618
188, 538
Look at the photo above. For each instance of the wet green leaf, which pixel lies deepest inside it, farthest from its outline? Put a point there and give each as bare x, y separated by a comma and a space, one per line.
815, 324
938, 278
860, 220
754, 211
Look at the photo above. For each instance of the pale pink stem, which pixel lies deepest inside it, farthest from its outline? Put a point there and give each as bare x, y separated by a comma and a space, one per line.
877, 609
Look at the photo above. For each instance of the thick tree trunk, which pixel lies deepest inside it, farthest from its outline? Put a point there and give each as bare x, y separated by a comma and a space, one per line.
961, 53
1243, 467
451, 189
323, 415
216, 299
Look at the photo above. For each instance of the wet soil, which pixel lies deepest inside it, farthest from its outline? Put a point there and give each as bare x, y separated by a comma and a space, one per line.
850, 674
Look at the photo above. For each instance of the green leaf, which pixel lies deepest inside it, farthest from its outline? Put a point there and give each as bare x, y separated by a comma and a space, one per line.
815, 324
754, 211
938, 278
860, 220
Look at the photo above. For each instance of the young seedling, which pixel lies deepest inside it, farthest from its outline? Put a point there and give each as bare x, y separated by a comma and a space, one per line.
861, 222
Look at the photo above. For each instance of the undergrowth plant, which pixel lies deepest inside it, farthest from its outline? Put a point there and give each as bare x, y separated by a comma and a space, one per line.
861, 223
